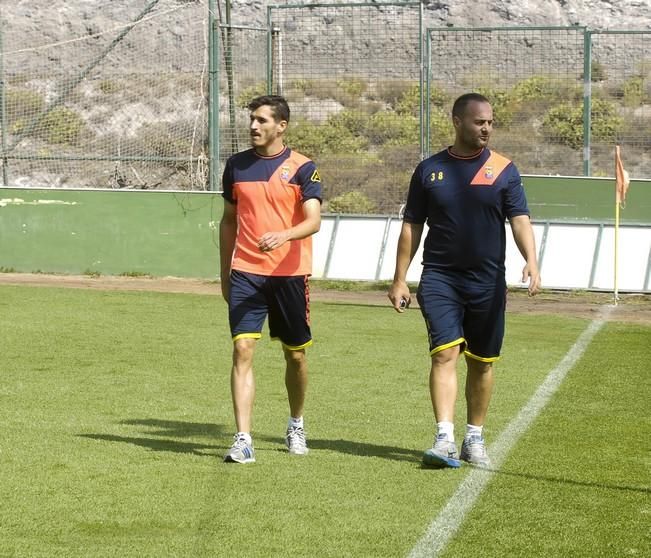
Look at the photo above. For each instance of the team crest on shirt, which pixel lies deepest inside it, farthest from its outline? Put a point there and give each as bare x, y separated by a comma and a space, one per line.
488, 172
284, 173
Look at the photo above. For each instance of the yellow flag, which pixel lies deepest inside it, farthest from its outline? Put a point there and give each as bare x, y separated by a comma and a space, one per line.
622, 178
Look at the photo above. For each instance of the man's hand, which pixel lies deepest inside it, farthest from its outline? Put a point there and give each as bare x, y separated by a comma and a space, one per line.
531, 275
399, 296
272, 240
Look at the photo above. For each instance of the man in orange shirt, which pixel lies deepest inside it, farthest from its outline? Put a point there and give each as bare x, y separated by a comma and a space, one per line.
272, 207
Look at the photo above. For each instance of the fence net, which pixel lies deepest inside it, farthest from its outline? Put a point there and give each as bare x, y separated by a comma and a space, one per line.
118, 95
242, 76
621, 101
352, 77
533, 78
111, 102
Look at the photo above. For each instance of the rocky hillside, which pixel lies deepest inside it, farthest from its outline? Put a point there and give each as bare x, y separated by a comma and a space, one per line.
147, 96
38, 22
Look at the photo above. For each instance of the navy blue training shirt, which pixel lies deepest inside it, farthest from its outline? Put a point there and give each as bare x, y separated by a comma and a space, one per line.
465, 202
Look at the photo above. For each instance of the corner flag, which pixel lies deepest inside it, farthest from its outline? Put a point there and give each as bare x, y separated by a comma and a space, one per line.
622, 181
622, 178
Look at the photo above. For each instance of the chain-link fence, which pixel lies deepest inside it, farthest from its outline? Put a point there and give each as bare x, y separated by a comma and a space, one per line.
242, 76
156, 97
562, 97
352, 76
527, 74
110, 102
620, 95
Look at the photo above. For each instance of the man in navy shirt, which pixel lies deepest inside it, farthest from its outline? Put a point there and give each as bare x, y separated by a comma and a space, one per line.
464, 194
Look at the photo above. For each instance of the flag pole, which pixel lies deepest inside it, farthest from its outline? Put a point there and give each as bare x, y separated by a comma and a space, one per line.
616, 265
622, 181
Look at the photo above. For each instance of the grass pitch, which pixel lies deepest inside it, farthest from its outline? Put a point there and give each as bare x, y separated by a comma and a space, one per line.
116, 412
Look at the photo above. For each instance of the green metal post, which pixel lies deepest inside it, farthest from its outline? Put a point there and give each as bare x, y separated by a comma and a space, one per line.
228, 55
3, 111
213, 97
587, 99
428, 108
269, 53
423, 98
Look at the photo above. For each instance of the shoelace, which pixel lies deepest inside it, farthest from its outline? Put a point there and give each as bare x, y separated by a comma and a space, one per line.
239, 442
296, 434
476, 444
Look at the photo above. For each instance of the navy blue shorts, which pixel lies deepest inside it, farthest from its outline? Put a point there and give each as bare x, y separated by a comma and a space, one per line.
286, 300
459, 312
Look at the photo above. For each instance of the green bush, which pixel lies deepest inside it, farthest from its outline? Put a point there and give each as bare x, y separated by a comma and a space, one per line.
247, 93
314, 140
61, 125
633, 91
352, 86
351, 202
387, 127
382, 177
534, 88
162, 140
441, 130
391, 91
108, 86
502, 108
353, 121
597, 71
22, 105
409, 102
302, 85
564, 123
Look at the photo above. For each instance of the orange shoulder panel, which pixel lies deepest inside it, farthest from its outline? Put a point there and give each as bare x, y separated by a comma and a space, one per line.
490, 170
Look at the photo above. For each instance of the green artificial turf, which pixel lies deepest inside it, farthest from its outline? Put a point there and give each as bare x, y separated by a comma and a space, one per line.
115, 414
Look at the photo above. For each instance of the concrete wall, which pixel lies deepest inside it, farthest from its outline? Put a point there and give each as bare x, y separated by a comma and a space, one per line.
110, 232
175, 234
572, 255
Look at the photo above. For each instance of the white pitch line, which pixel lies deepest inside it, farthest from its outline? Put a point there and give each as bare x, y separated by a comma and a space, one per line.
446, 524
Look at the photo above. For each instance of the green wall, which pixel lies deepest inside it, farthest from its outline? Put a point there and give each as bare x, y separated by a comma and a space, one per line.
175, 233
585, 199
130, 232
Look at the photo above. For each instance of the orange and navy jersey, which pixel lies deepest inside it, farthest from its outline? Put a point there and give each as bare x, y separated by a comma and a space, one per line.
269, 193
465, 202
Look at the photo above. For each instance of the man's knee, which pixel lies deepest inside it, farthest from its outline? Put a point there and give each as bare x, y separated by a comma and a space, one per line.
445, 356
243, 350
295, 357
479, 367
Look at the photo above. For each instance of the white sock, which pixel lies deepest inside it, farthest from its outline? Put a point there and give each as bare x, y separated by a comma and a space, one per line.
246, 436
295, 422
446, 428
473, 430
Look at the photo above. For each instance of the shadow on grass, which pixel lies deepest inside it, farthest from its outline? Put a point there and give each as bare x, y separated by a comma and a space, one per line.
348, 447
156, 444
168, 436
572, 482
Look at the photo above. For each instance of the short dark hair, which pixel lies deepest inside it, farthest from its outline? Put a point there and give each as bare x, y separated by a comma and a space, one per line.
459, 107
278, 104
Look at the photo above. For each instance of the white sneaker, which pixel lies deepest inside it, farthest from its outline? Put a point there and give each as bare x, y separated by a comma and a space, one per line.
295, 440
473, 450
442, 454
241, 451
